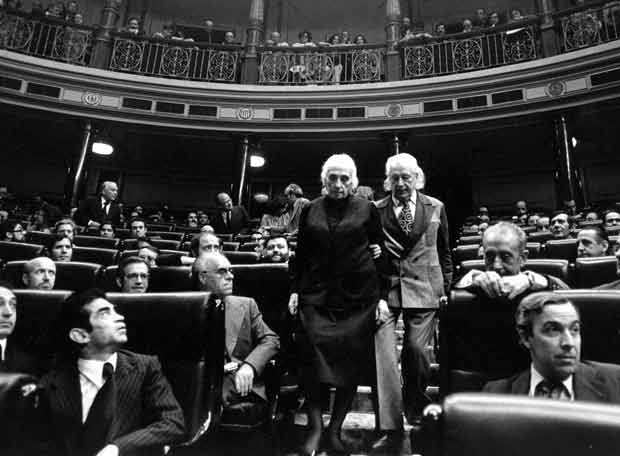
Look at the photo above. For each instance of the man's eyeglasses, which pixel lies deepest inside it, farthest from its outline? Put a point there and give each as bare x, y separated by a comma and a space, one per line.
135, 275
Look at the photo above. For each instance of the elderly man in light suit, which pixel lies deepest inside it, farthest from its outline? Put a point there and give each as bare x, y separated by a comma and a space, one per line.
420, 272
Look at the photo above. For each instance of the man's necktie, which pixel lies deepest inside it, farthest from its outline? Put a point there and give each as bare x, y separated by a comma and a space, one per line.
550, 390
405, 218
228, 219
101, 414
105, 207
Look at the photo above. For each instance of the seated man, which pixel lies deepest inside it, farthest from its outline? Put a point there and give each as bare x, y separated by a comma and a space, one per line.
592, 242
560, 226
138, 228
78, 410
542, 224
12, 359
549, 327
39, 274
205, 242
615, 285
228, 218
192, 219
107, 230
276, 250
65, 227
132, 275
250, 343
612, 218
60, 248
505, 253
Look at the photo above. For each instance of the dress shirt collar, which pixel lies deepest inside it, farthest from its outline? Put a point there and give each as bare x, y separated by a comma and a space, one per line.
536, 378
3, 349
412, 199
92, 369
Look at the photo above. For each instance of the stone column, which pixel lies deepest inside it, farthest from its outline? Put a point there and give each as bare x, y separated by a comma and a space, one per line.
245, 161
547, 29
80, 170
103, 41
254, 37
568, 182
392, 35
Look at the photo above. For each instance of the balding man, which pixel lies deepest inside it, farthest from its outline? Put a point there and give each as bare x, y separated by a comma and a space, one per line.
94, 211
39, 274
250, 343
228, 218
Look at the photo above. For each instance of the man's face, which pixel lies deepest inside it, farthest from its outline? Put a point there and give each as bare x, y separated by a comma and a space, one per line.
229, 37
192, 219
62, 250
589, 244
133, 27
217, 277
570, 207
494, 19
591, 217
555, 342
42, 276
108, 326
612, 219
467, 26
106, 230
138, 229
110, 191
403, 182
521, 208
276, 250
441, 29
203, 220
18, 234
224, 201
480, 14
135, 278
209, 243
542, 224
149, 256
66, 229
502, 254
559, 226
8, 312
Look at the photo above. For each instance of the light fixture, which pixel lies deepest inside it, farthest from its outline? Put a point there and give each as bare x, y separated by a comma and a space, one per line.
102, 145
574, 141
257, 159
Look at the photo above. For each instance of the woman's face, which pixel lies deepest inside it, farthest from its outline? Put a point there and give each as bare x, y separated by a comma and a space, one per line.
62, 250
18, 233
338, 183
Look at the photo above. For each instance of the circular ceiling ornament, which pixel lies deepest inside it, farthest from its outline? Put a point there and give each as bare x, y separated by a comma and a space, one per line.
245, 113
556, 88
394, 110
91, 99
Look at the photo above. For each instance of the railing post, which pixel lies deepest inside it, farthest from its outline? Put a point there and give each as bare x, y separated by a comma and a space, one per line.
393, 64
102, 43
547, 29
254, 34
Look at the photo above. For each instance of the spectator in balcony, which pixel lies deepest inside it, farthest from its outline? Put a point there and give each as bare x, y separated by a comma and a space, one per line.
229, 38
405, 27
78, 19
516, 16
612, 218
39, 274
360, 39
346, 37
305, 39
133, 27
332, 73
166, 33
493, 19
133, 275
14, 5
60, 248
72, 9
440, 29
65, 227
467, 26
481, 20
593, 242
276, 40
39, 221
107, 230
55, 11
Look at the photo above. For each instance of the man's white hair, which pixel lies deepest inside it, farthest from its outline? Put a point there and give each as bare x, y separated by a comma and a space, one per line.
408, 162
343, 161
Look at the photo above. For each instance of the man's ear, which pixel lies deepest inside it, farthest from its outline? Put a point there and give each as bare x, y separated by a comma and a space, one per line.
525, 254
524, 338
25, 279
119, 282
79, 335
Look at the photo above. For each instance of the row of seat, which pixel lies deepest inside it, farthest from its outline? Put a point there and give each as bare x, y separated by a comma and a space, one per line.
536, 236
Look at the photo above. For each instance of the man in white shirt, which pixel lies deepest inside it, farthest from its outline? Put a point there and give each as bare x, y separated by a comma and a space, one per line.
549, 326
104, 208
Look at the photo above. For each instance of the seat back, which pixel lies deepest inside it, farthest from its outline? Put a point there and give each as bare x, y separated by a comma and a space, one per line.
107, 278
565, 249
171, 235
466, 252
477, 239
167, 244
70, 275
533, 249
170, 278
242, 257
96, 241
540, 236
104, 257
230, 246
613, 230
159, 227
528, 229
592, 272
556, 268
490, 425
249, 246
123, 233
38, 237
11, 251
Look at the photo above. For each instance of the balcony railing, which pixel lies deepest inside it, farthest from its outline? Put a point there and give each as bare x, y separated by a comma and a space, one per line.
45, 38
323, 65
175, 59
588, 26
513, 43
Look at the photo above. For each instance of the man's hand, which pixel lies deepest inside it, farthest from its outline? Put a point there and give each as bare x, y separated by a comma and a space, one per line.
383, 312
244, 379
292, 303
108, 450
375, 251
513, 286
490, 282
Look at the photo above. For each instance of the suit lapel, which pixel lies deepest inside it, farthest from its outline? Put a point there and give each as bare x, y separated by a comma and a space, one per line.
521, 384
393, 229
586, 385
65, 396
234, 320
421, 219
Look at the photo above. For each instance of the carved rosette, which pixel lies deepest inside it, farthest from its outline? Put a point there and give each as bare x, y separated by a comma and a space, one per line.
175, 61
467, 54
222, 66
366, 65
418, 61
127, 55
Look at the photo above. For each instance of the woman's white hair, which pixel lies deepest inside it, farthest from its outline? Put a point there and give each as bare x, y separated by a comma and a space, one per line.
408, 162
342, 161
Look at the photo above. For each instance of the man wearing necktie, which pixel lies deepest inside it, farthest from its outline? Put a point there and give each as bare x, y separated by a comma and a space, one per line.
101, 400
549, 326
12, 358
94, 211
228, 218
415, 227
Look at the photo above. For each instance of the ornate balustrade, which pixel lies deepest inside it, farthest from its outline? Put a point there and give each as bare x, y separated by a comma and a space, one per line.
323, 65
498, 46
588, 26
175, 59
47, 38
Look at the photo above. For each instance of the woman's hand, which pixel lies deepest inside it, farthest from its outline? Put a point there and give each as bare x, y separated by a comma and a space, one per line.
292, 303
383, 312
375, 251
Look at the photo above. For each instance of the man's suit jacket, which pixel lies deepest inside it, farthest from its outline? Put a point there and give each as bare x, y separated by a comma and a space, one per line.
238, 221
148, 415
90, 209
248, 338
16, 360
595, 382
419, 264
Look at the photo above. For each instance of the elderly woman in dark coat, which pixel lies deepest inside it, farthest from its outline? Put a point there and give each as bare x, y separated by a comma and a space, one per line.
338, 296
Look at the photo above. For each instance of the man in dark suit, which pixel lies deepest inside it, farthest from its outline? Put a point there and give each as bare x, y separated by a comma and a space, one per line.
94, 211
101, 400
12, 358
615, 285
250, 343
415, 227
228, 218
549, 327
